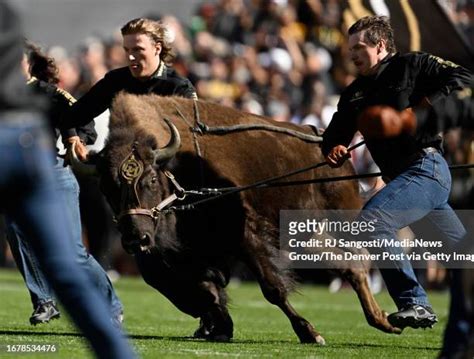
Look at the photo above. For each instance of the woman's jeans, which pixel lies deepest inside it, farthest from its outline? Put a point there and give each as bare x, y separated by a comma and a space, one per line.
40, 290
28, 190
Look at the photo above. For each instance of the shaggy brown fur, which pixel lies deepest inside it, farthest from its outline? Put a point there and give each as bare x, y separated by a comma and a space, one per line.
193, 249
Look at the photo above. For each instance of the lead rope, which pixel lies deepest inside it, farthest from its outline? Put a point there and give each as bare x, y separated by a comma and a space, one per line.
198, 129
265, 182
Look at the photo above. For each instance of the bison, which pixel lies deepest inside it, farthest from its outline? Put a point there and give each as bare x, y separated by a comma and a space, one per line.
159, 145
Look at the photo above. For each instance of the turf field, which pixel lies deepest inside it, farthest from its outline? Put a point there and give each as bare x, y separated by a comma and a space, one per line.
158, 330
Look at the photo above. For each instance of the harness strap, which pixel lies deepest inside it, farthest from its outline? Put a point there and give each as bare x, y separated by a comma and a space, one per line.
166, 202
178, 194
178, 111
199, 128
179, 189
222, 130
202, 127
133, 211
195, 130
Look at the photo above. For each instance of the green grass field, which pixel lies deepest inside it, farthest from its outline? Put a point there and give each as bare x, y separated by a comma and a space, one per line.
158, 330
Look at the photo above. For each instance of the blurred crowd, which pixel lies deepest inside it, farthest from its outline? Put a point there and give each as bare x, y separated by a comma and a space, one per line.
280, 58
286, 59
276, 58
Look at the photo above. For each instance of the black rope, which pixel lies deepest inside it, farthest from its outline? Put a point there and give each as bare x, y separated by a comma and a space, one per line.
346, 178
304, 182
217, 193
460, 167
232, 190
202, 128
208, 191
224, 191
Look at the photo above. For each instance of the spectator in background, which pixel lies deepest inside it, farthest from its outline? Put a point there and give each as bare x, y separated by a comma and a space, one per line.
271, 60
29, 196
177, 36
227, 21
319, 110
114, 54
290, 26
323, 19
69, 72
202, 20
92, 62
218, 87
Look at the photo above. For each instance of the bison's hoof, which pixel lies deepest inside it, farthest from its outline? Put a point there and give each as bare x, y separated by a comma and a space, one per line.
320, 340
201, 333
317, 338
221, 338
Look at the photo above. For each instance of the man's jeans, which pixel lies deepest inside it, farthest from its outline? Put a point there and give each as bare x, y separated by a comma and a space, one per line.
421, 191
29, 197
40, 289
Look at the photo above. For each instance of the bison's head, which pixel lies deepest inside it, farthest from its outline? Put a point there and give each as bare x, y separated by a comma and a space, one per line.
134, 183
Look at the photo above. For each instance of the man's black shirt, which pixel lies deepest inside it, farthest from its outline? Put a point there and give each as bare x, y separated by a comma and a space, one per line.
165, 82
401, 82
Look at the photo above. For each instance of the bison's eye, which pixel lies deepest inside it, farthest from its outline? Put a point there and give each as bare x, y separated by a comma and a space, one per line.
154, 180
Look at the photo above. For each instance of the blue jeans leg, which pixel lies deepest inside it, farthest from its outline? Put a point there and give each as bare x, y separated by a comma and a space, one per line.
69, 190
38, 286
40, 290
422, 190
29, 196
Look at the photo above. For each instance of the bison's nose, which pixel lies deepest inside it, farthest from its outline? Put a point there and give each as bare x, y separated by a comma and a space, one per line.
145, 242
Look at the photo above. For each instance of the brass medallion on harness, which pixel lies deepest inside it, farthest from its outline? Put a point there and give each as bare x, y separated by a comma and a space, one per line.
131, 168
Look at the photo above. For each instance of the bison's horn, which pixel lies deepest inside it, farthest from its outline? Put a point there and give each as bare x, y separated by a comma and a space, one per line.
166, 153
79, 166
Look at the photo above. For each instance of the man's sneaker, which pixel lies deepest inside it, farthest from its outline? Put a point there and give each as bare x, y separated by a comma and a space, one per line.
415, 316
44, 313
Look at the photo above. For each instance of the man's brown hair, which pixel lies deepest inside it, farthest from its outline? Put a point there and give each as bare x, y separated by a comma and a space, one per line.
155, 30
375, 28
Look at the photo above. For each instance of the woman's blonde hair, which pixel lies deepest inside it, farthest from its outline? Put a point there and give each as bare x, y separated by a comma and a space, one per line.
157, 32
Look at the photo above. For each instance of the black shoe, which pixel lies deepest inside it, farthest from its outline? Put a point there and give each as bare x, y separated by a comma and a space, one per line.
44, 313
415, 316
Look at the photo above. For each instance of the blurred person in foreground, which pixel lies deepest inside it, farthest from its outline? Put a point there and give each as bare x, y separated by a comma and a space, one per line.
29, 196
147, 44
388, 103
41, 76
